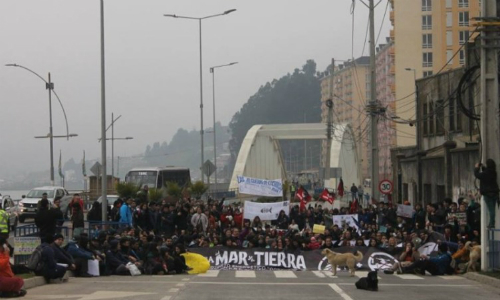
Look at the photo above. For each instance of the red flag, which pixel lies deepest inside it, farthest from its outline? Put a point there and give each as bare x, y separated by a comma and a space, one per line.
303, 196
340, 188
354, 206
325, 195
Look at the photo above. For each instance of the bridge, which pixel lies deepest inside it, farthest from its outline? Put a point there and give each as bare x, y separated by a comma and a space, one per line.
260, 154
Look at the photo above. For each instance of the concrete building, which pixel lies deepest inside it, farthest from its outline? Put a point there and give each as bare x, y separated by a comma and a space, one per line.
351, 90
427, 35
385, 82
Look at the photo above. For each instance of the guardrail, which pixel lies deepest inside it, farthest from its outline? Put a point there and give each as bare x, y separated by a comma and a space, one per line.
94, 227
494, 253
26, 230
27, 239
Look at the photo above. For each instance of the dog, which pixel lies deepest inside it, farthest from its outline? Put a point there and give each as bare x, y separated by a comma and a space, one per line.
342, 259
369, 283
474, 256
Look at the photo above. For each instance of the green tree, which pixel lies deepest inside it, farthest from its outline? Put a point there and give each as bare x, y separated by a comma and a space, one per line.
155, 194
198, 189
174, 190
127, 189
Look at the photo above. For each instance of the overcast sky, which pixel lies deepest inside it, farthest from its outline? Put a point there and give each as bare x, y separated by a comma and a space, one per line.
152, 65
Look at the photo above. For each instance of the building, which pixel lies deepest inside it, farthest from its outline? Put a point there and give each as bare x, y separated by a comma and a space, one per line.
428, 37
385, 84
349, 89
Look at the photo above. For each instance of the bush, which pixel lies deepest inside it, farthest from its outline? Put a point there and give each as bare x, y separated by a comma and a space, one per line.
174, 190
155, 194
126, 190
198, 189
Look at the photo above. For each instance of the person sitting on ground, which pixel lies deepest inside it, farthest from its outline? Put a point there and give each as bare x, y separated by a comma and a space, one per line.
81, 256
10, 286
56, 261
438, 265
115, 261
408, 257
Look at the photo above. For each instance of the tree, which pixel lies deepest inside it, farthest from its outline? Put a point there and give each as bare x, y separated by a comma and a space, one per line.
127, 189
198, 189
174, 190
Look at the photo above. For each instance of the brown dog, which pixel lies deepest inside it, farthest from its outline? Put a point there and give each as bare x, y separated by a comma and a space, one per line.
475, 255
342, 259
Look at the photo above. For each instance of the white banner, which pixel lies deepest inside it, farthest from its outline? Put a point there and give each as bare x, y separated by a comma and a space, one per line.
349, 220
265, 211
260, 187
405, 211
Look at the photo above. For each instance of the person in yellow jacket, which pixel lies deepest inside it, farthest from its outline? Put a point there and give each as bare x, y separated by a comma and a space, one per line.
4, 223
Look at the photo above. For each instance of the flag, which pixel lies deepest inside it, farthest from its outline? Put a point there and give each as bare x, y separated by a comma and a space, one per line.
303, 196
340, 188
60, 168
354, 206
84, 169
327, 196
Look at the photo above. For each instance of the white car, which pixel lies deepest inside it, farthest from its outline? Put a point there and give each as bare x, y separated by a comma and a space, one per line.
29, 205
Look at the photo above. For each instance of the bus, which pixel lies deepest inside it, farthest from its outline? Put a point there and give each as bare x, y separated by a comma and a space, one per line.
157, 177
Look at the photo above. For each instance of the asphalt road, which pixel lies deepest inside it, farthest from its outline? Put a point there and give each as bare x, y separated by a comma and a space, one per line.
252, 285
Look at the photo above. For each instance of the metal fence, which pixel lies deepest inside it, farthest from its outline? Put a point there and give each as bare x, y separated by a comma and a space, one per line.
26, 239
494, 253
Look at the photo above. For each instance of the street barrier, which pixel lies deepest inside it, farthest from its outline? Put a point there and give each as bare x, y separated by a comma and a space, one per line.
94, 227
27, 239
494, 253
26, 230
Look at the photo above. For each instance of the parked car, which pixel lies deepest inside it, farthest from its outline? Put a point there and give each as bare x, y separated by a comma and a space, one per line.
10, 207
111, 200
29, 205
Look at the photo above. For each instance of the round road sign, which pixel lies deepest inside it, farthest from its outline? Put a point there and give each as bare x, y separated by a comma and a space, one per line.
385, 186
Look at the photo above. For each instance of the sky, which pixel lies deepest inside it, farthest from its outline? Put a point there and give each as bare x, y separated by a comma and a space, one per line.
152, 66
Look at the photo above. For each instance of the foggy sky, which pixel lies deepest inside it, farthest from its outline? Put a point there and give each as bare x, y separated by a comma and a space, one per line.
152, 66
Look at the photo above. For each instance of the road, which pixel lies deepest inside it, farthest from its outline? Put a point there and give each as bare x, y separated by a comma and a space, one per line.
289, 285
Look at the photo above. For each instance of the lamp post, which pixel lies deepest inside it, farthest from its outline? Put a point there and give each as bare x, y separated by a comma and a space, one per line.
419, 138
201, 76
104, 179
49, 85
212, 70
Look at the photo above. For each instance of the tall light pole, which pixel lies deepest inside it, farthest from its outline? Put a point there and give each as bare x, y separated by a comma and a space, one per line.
112, 139
419, 139
212, 70
49, 85
201, 76
104, 177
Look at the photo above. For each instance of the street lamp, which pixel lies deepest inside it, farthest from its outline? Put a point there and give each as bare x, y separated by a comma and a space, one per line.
49, 85
212, 70
419, 145
201, 75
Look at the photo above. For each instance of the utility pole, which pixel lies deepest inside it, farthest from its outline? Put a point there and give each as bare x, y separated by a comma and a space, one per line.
329, 127
373, 108
104, 183
489, 111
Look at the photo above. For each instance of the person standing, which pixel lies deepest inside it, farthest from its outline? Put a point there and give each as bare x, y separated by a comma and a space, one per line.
354, 192
126, 213
4, 223
56, 210
199, 221
488, 187
46, 221
76, 208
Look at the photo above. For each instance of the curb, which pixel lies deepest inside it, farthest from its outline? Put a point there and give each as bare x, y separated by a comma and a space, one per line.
39, 281
484, 279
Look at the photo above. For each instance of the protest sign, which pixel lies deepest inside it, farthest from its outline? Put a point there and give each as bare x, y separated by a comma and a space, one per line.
260, 187
265, 211
405, 211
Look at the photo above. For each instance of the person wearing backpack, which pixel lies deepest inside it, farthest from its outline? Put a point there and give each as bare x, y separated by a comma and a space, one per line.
56, 261
10, 286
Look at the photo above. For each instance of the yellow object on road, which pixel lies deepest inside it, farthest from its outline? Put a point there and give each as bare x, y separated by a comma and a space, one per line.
197, 262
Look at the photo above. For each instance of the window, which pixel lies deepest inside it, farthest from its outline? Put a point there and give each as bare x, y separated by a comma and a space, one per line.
448, 3
463, 37
463, 3
449, 38
462, 57
439, 117
431, 118
449, 57
424, 115
426, 5
463, 18
449, 19
427, 41
451, 120
428, 73
427, 56
426, 22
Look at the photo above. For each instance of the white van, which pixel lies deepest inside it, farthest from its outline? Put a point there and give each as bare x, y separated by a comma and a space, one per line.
28, 205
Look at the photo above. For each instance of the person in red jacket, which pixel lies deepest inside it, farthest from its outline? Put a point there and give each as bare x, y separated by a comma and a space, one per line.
238, 218
10, 286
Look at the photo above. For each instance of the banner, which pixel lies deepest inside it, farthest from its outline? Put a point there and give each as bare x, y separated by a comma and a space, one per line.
260, 187
222, 258
349, 220
25, 245
460, 216
265, 211
405, 211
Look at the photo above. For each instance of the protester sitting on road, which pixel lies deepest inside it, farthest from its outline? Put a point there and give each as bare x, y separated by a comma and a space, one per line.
56, 261
115, 261
406, 259
81, 256
10, 286
438, 265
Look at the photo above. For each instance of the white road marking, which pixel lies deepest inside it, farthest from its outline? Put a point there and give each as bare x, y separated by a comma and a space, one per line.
339, 291
363, 274
166, 298
210, 273
329, 274
245, 274
185, 279
113, 295
451, 277
173, 290
180, 284
408, 276
319, 274
284, 274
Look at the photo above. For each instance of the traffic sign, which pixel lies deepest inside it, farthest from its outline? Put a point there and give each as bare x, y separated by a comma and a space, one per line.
96, 169
385, 186
208, 168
